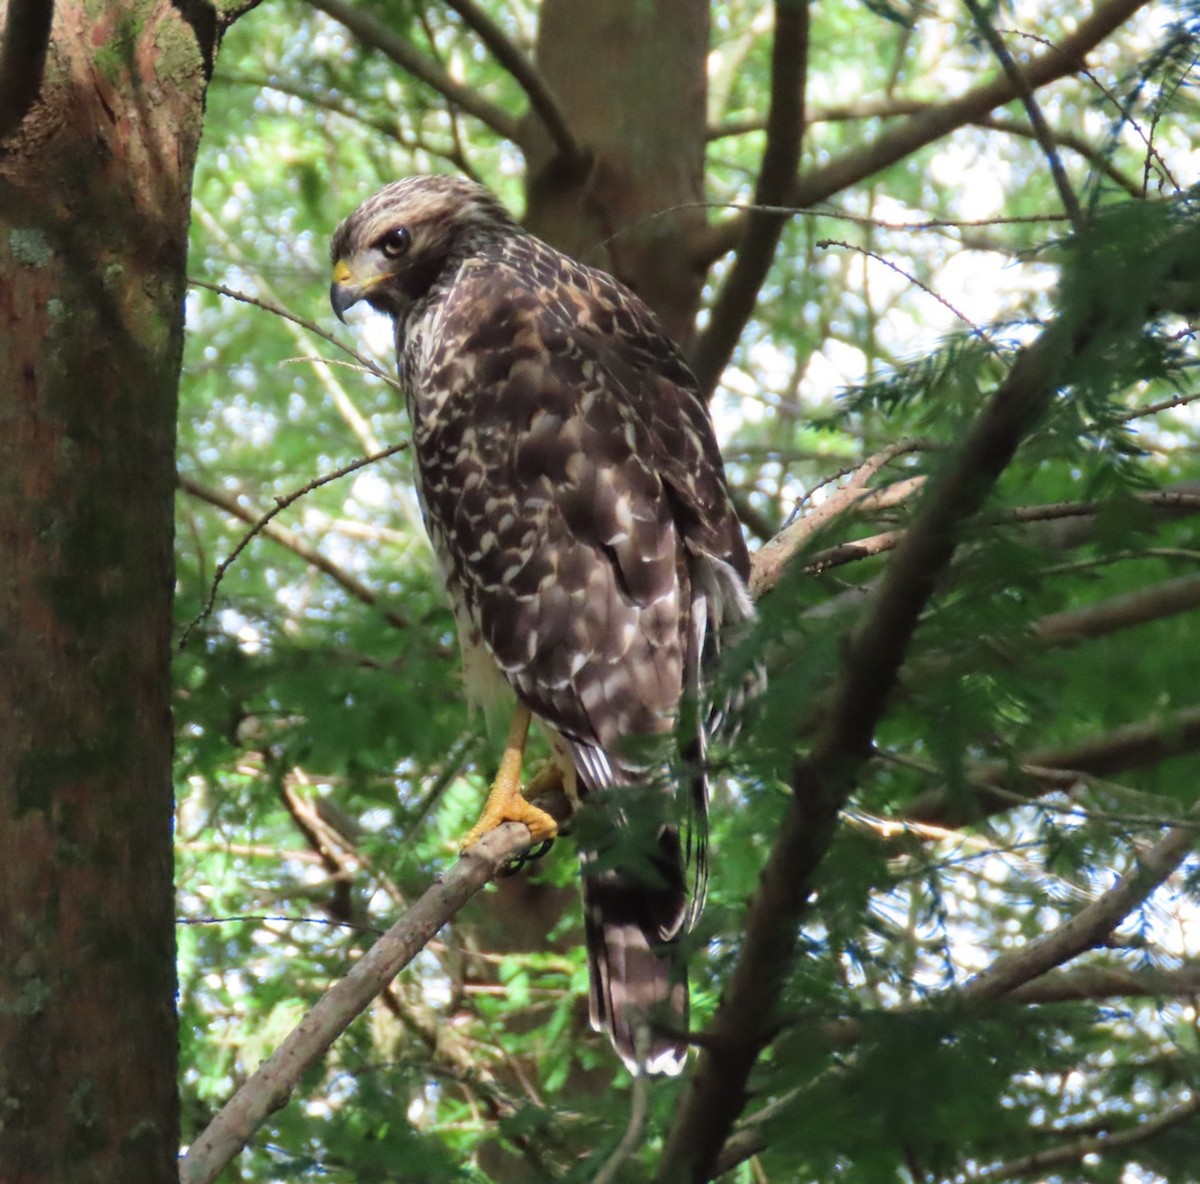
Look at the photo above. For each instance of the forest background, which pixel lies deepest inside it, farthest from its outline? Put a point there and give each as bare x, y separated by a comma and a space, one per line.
936, 264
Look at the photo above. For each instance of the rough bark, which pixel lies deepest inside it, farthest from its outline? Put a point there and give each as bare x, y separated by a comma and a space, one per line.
94, 189
630, 77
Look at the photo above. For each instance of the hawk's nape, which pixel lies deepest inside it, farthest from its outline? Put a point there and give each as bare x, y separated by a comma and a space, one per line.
576, 499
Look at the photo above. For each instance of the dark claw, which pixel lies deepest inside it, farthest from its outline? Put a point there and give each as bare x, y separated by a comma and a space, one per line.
515, 865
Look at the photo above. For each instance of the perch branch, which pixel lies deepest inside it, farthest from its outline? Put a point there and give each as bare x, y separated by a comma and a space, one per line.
273, 1082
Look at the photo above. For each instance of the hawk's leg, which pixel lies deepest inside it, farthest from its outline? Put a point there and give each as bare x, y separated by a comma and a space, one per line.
505, 802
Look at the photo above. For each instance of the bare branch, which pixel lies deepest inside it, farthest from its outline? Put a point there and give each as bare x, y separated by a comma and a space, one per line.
374, 34
1088, 927
22, 59
1183, 501
273, 1082
759, 236
1110, 982
1133, 746
1046, 1161
769, 560
1121, 612
542, 98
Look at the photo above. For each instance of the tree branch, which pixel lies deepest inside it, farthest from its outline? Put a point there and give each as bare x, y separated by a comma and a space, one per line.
374, 34
775, 187
1041, 129
743, 1024
22, 59
273, 1082
769, 561
1045, 1161
542, 98
931, 123
1120, 612
1088, 927
1130, 747
744, 1021
1110, 982
228, 11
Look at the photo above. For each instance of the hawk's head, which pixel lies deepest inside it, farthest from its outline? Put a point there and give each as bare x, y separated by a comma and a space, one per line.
392, 248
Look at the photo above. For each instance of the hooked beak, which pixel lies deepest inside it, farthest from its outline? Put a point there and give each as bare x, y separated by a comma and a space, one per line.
344, 293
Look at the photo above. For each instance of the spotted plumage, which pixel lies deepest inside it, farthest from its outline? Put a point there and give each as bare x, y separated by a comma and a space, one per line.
575, 497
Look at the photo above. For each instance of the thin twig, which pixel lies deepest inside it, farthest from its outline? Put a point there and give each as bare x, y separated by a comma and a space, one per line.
310, 326
281, 504
1152, 153
633, 1132
288, 539
353, 418
386, 125
912, 279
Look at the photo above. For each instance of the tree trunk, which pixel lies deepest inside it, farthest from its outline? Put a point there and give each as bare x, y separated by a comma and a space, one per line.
631, 77
94, 190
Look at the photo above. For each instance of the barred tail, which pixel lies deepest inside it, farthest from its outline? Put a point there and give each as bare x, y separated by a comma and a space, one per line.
638, 980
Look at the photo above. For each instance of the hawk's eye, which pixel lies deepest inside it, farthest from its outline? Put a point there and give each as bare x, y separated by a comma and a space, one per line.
395, 242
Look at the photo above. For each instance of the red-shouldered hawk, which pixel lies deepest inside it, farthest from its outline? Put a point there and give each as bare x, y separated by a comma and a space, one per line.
576, 499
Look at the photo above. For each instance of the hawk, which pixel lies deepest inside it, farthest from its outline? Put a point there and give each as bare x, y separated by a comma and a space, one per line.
576, 499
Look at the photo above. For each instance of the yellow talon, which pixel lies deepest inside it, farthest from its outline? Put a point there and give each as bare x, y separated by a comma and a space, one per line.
505, 802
